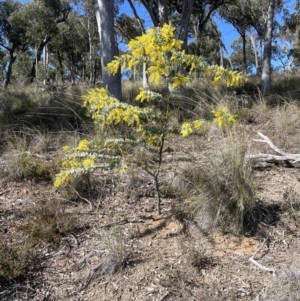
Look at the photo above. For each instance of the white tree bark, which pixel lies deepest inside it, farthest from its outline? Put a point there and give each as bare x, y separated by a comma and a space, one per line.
162, 12
281, 155
105, 20
253, 42
266, 67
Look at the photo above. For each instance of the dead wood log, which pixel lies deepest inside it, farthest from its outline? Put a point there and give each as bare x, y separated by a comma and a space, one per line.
281, 155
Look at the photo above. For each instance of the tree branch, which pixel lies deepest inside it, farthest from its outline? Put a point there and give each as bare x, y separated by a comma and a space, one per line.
283, 156
262, 267
137, 16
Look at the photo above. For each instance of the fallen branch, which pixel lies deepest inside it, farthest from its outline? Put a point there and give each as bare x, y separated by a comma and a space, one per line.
262, 267
82, 198
283, 156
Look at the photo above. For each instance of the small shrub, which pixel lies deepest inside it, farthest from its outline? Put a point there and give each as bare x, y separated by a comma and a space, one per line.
22, 162
13, 260
148, 118
49, 222
26, 166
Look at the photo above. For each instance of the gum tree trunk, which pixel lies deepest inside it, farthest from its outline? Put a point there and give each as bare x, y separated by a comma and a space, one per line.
108, 46
266, 66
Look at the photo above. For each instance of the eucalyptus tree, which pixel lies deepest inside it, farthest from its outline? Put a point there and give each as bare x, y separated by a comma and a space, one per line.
11, 37
266, 68
40, 18
239, 16
289, 34
105, 15
207, 43
237, 55
71, 46
128, 27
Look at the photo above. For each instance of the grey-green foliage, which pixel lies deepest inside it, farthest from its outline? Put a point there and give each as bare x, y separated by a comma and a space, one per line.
207, 43
291, 32
128, 27
11, 37
237, 54
38, 19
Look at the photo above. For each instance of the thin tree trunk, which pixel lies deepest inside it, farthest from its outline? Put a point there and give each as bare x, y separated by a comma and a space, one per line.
39, 51
12, 59
137, 16
90, 52
187, 9
108, 46
150, 8
244, 53
266, 68
253, 42
221, 55
145, 79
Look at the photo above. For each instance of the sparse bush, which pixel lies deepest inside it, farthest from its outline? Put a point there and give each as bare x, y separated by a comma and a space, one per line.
49, 222
14, 259
26, 166
22, 160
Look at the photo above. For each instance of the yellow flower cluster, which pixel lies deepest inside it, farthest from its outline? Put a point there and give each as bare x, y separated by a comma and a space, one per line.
223, 118
77, 162
220, 74
147, 95
161, 51
108, 110
179, 80
188, 128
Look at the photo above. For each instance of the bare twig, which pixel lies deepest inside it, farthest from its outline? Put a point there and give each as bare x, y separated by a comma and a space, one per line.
120, 222
262, 267
82, 198
163, 297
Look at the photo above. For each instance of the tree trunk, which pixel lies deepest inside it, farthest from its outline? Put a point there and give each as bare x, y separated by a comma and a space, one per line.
108, 46
61, 69
266, 67
243, 36
12, 59
150, 8
187, 9
253, 42
39, 52
90, 52
145, 78
162, 12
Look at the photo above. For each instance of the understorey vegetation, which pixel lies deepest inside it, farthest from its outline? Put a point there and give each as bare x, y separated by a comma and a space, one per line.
186, 188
